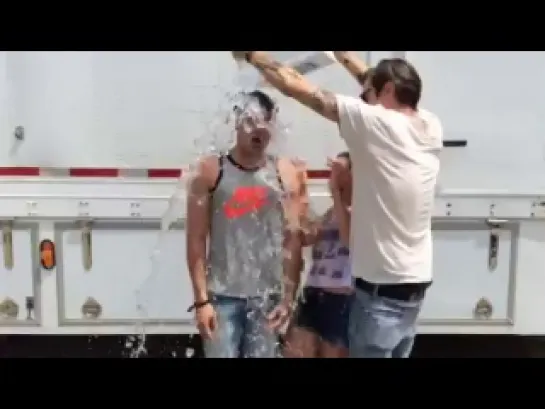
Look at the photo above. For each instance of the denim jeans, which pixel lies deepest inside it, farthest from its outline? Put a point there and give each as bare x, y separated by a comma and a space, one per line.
381, 327
242, 330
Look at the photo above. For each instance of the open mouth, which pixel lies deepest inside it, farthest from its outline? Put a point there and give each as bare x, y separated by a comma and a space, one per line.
256, 140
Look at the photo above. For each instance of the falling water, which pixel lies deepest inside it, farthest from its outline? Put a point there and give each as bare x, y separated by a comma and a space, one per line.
219, 136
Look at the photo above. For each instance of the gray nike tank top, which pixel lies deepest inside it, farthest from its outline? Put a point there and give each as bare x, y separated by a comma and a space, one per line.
246, 235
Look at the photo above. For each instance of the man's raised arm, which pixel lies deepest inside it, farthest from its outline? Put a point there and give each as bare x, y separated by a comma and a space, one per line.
292, 84
356, 67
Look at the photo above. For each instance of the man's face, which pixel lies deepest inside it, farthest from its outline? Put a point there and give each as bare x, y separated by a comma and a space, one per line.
253, 135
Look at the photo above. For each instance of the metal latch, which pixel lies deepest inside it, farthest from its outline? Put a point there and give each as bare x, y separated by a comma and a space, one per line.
9, 309
483, 309
7, 244
494, 241
91, 308
86, 246
29, 304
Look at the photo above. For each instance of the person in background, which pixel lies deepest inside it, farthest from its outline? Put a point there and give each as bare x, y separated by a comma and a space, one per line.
320, 327
394, 147
247, 205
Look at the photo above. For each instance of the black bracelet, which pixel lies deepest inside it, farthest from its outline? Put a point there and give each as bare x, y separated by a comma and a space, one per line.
197, 305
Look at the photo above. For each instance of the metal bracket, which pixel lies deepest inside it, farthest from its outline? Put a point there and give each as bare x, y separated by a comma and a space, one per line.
29, 304
83, 208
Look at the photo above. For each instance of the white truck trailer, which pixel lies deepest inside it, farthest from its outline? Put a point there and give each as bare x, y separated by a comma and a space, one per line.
91, 147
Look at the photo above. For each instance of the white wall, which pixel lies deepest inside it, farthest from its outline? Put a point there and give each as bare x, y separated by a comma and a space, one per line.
145, 109
136, 109
495, 100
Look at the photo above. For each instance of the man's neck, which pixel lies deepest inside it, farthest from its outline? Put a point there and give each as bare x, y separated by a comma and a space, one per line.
405, 110
249, 161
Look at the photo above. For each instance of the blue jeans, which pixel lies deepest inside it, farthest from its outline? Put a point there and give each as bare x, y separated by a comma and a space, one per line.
381, 327
242, 330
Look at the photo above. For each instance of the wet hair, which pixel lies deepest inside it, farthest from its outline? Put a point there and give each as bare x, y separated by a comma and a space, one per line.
346, 155
264, 101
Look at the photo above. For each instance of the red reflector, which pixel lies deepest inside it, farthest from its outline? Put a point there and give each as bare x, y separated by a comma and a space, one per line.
19, 171
47, 254
164, 173
94, 173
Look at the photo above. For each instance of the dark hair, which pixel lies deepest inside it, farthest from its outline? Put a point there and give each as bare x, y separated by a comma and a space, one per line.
346, 155
363, 78
264, 101
407, 82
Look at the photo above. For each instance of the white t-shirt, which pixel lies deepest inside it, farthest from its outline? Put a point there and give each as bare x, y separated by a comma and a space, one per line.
395, 162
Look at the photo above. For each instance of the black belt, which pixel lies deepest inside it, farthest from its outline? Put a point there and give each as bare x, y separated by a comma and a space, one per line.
400, 292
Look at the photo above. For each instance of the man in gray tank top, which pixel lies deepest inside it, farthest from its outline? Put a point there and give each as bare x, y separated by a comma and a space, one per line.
247, 205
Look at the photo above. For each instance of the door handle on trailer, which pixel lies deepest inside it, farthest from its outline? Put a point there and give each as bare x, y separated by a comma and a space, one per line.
86, 246
493, 248
7, 243
494, 242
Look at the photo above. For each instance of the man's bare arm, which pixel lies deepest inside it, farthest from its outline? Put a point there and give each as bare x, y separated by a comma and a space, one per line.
198, 227
356, 67
295, 207
292, 84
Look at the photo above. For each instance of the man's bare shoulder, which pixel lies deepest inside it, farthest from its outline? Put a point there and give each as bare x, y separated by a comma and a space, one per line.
207, 169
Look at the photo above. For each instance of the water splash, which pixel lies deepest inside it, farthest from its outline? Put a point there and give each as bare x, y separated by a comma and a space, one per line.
234, 109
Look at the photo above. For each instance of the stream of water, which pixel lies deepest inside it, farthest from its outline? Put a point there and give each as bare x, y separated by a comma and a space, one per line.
218, 138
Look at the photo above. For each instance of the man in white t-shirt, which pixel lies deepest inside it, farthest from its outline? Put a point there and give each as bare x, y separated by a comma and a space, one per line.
395, 152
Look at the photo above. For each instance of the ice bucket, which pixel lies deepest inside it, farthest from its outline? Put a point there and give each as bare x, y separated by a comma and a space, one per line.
304, 62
